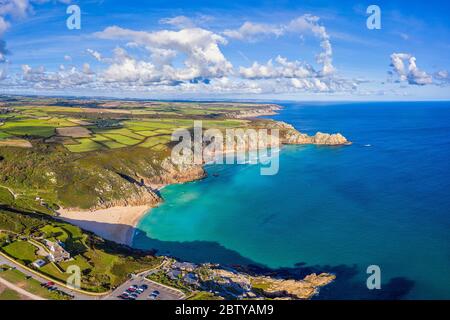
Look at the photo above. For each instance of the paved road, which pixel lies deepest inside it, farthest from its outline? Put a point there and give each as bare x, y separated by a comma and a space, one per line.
165, 293
77, 295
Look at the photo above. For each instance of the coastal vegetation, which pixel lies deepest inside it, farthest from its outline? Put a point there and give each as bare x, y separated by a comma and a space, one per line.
69, 154
103, 264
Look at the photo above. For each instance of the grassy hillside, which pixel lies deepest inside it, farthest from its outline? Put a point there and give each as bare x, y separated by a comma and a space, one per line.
103, 264
89, 154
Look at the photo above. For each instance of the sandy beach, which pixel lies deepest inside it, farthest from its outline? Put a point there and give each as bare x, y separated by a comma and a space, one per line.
116, 224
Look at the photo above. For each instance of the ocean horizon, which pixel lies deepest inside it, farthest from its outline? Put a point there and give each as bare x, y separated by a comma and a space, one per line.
381, 201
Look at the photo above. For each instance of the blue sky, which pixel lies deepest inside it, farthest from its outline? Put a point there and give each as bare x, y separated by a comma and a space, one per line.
300, 50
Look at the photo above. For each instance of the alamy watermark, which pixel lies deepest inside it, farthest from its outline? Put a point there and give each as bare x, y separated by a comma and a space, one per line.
227, 146
74, 20
374, 20
74, 280
374, 280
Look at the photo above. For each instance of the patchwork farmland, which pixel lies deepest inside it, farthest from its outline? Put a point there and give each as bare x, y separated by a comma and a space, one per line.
107, 125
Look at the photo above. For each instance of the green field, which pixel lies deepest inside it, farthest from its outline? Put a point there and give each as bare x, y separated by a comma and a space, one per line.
4, 135
125, 140
155, 140
31, 285
8, 294
113, 144
21, 250
84, 145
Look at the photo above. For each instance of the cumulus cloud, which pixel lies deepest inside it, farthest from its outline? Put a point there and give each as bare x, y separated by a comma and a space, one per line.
442, 77
282, 68
39, 78
294, 75
304, 24
204, 58
310, 23
315, 84
412, 74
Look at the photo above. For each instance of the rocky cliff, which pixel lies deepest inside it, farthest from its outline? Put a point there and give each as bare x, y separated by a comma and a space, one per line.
257, 111
289, 135
297, 289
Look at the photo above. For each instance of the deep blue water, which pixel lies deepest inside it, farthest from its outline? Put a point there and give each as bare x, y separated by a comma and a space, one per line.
336, 209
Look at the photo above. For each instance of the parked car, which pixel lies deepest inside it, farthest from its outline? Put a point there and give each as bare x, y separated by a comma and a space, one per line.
124, 296
47, 284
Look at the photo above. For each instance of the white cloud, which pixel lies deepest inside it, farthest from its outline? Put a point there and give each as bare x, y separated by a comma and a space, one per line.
97, 55
442, 77
87, 69
412, 74
251, 31
313, 84
281, 69
204, 59
306, 23
39, 78
179, 22
3, 51
4, 25
310, 23
2, 74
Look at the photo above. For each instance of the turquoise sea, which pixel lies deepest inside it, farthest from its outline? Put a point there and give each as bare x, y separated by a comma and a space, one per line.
385, 200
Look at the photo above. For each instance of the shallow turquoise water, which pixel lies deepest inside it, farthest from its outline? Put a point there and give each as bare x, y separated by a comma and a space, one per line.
337, 209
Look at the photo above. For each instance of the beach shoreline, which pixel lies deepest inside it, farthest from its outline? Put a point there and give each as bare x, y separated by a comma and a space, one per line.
116, 224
